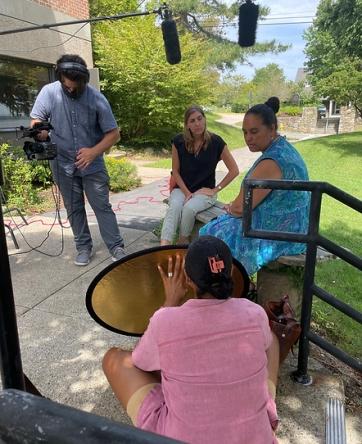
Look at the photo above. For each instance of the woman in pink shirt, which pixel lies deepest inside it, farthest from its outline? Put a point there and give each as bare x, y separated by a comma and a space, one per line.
205, 371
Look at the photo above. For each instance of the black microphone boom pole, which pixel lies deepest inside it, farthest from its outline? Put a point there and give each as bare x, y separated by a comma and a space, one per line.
248, 18
170, 38
169, 30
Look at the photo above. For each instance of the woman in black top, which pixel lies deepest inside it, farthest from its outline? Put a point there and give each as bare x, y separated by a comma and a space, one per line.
195, 155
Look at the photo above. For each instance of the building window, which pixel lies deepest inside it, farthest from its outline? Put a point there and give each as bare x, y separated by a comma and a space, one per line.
335, 109
20, 82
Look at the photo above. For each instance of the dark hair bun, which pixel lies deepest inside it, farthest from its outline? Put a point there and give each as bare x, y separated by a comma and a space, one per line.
273, 103
198, 268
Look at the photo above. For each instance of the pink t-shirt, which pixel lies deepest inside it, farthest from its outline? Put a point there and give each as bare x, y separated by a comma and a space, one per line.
212, 358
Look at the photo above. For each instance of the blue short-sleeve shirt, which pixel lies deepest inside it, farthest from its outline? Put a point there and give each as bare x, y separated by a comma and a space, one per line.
77, 123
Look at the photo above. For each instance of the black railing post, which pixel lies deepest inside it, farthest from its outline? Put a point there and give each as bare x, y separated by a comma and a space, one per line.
301, 375
313, 239
10, 359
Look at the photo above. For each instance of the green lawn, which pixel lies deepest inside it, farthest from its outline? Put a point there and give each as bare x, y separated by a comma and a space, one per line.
232, 136
337, 160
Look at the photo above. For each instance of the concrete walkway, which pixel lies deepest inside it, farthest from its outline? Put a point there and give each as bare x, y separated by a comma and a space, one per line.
234, 119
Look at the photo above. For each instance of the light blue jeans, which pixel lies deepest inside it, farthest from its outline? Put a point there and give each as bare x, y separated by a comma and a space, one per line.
180, 214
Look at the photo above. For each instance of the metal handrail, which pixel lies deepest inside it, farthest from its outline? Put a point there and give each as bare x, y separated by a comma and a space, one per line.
43, 420
313, 239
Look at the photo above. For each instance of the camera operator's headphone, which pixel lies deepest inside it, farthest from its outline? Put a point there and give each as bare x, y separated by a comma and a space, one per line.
71, 66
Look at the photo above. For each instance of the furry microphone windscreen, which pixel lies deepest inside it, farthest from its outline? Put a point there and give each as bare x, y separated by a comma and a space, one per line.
171, 41
248, 18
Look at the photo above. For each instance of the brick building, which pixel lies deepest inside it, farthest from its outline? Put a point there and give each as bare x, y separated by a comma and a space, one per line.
27, 58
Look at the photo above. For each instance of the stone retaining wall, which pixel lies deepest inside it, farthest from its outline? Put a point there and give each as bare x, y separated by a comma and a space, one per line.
348, 120
308, 122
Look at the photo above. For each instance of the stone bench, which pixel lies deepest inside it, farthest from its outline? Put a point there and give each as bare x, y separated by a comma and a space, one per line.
216, 210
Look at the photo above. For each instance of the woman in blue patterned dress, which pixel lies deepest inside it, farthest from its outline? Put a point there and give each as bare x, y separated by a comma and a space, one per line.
278, 210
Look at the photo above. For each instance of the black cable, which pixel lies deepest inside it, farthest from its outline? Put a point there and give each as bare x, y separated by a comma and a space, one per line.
235, 25
36, 248
49, 46
88, 20
33, 23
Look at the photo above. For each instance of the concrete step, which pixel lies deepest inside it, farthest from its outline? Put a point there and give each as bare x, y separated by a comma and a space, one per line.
302, 409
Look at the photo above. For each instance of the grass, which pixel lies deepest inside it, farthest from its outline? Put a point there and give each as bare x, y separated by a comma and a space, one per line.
337, 160
232, 136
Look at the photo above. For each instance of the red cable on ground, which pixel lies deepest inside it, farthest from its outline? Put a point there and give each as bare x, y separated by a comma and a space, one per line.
163, 190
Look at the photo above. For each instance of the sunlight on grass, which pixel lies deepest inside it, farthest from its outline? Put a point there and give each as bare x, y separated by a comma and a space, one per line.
338, 160
232, 136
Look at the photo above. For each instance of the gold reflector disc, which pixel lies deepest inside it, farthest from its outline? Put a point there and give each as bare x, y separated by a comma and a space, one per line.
124, 296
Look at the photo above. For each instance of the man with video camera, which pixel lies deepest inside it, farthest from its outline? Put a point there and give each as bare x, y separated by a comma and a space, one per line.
83, 129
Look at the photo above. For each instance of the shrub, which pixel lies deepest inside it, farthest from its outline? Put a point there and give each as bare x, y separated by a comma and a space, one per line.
41, 174
22, 178
291, 110
40, 171
239, 107
122, 174
18, 188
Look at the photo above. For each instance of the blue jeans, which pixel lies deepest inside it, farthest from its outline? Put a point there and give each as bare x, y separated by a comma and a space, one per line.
95, 187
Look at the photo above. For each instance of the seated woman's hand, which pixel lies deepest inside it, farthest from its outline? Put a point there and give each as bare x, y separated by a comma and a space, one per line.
205, 191
234, 209
174, 281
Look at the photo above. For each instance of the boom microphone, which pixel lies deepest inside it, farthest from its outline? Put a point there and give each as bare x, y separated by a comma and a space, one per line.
170, 39
248, 17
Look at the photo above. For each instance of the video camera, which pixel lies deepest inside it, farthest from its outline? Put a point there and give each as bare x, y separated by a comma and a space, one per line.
38, 150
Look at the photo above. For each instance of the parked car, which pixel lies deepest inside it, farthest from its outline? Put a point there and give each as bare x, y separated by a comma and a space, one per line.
322, 111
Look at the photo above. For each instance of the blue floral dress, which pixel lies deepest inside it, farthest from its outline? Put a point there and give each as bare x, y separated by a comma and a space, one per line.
281, 210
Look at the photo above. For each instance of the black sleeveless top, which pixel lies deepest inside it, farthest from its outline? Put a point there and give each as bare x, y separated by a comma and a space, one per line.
199, 171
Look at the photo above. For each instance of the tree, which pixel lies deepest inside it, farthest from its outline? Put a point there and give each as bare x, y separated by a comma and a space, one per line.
230, 92
111, 7
302, 94
147, 95
334, 51
270, 81
210, 20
